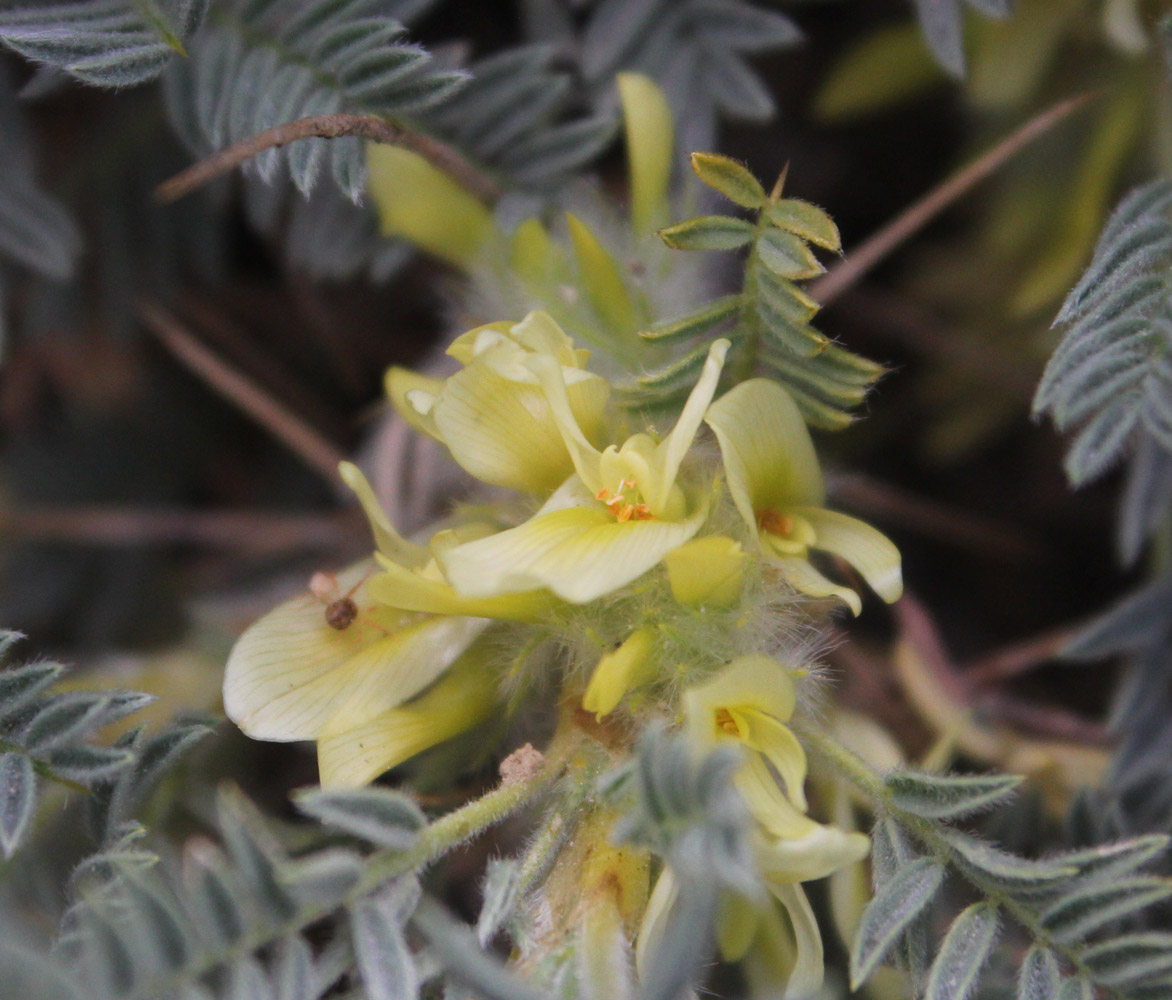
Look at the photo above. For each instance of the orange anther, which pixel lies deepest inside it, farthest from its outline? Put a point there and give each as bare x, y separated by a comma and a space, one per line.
625, 513
775, 522
726, 722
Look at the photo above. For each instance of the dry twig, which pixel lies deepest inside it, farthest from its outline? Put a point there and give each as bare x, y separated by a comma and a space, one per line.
827, 288
298, 436
235, 529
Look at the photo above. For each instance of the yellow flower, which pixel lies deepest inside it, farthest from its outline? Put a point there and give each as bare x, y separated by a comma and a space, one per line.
293, 675
493, 415
355, 753
748, 702
614, 520
776, 940
411, 579
339, 663
775, 481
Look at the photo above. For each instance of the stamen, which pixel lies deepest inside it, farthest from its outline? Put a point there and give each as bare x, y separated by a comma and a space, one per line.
725, 721
775, 522
625, 513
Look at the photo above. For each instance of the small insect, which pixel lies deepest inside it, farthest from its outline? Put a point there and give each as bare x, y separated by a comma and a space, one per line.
341, 612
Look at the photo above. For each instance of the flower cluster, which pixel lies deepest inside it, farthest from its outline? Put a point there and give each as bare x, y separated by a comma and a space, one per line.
631, 530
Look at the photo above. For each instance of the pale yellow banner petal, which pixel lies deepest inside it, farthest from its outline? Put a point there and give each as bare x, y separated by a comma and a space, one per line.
292, 646
578, 553
286, 686
501, 431
752, 681
866, 549
767, 452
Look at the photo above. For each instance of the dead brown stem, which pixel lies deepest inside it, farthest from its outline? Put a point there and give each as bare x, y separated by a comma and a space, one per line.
110, 525
918, 628
1019, 658
334, 126
840, 277
298, 436
931, 519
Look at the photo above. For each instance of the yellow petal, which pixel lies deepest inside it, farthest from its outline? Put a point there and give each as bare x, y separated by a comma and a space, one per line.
771, 957
290, 674
737, 923
767, 802
351, 756
469, 344
413, 396
650, 146
617, 672
763, 733
867, 550
656, 917
579, 553
388, 540
821, 850
423, 204
533, 254
807, 580
767, 452
672, 449
805, 979
501, 431
409, 590
602, 280
707, 571
585, 457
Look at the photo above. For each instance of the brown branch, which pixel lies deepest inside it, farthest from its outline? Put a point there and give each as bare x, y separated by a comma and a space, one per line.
917, 627
1019, 658
110, 525
334, 126
286, 426
932, 519
915, 217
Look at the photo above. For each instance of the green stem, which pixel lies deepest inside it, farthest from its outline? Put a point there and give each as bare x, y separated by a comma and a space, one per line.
746, 364
872, 784
435, 840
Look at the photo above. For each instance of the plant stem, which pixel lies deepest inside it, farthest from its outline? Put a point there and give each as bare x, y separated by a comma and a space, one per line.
332, 126
872, 784
919, 214
435, 840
